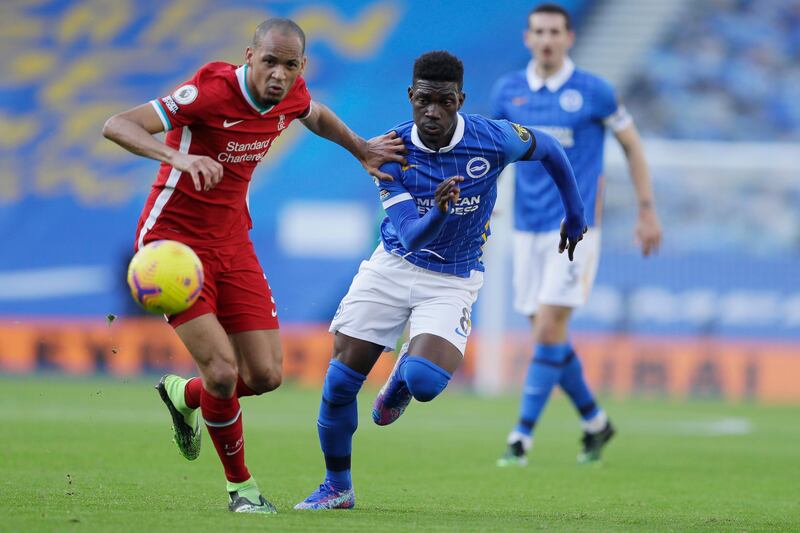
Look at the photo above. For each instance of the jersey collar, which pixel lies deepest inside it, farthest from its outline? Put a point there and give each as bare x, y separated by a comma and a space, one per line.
458, 134
241, 76
554, 82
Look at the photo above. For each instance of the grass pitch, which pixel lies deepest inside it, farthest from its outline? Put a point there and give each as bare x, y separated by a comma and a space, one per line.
92, 455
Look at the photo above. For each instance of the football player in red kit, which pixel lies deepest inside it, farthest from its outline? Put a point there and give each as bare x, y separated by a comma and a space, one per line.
219, 125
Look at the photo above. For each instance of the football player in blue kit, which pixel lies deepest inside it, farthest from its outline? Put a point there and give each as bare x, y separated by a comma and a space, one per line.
577, 107
427, 270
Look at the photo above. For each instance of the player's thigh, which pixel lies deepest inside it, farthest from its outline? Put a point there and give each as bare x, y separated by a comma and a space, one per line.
359, 355
376, 306
443, 308
438, 350
568, 283
207, 300
209, 346
528, 269
244, 297
259, 357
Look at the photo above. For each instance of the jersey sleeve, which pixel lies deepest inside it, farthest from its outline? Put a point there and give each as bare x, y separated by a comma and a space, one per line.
392, 192
609, 110
516, 141
190, 103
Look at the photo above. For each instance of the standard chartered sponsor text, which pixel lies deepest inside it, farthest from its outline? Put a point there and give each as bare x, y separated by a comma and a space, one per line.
234, 149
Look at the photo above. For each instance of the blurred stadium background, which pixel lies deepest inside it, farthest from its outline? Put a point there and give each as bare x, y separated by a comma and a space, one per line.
712, 84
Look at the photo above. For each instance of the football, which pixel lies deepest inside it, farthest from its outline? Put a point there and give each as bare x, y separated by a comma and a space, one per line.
165, 277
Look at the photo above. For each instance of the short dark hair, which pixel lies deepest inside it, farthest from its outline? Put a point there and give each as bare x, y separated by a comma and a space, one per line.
281, 24
439, 66
554, 9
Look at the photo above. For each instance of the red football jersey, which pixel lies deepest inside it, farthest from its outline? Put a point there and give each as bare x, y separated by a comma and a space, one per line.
214, 114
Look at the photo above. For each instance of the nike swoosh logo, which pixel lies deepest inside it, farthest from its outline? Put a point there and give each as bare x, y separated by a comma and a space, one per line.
274, 313
226, 124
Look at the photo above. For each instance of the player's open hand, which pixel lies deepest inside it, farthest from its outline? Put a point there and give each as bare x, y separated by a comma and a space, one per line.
205, 172
448, 191
572, 230
382, 149
648, 232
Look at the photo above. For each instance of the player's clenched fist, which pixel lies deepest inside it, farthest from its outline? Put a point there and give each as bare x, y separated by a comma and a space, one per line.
205, 172
447, 191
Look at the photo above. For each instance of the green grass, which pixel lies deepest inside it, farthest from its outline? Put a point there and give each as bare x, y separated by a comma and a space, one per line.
92, 455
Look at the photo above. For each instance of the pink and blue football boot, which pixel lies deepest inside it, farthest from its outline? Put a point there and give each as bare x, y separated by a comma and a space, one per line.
327, 497
393, 397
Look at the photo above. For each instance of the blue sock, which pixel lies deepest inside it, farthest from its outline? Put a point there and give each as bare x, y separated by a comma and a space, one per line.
424, 379
338, 420
574, 384
543, 373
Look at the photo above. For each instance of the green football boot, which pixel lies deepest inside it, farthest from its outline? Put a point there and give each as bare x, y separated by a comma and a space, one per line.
185, 420
593, 444
246, 498
515, 456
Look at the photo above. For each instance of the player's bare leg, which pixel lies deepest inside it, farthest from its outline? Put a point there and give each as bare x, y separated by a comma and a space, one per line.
260, 361
352, 360
432, 361
217, 362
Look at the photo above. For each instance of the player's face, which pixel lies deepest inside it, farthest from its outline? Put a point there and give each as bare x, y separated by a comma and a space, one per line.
274, 64
548, 39
435, 105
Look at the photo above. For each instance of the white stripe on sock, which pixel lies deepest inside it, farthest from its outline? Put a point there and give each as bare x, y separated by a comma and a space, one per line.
526, 440
596, 424
225, 424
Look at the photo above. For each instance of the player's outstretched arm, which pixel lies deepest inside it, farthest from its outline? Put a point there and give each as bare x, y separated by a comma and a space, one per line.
134, 129
371, 154
551, 155
648, 228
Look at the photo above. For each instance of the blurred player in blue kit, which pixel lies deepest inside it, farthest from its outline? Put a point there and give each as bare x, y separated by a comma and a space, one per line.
577, 107
427, 270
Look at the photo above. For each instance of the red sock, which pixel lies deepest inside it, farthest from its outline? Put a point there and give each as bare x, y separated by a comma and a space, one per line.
243, 390
191, 394
223, 418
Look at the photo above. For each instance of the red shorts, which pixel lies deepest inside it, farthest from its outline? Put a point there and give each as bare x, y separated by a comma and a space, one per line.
235, 289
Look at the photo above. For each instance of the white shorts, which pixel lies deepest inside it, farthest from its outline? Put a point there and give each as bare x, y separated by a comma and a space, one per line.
543, 276
389, 292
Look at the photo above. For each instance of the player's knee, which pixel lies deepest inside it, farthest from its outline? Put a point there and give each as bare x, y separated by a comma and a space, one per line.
220, 379
266, 382
424, 379
552, 331
341, 384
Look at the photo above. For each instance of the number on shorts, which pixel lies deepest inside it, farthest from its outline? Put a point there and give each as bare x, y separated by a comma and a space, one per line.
466, 322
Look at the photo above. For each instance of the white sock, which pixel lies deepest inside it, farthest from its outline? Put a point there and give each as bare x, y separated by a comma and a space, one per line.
596, 424
526, 440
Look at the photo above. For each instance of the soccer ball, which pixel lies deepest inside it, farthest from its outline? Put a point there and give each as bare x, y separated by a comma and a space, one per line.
165, 277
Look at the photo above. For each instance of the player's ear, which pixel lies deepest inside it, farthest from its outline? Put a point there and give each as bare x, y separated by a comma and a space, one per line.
303, 65
461, 97
527, 38
248, 57
570, 39
410, 92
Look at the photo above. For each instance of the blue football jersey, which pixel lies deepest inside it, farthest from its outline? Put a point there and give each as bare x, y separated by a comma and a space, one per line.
575, 108
479, 150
